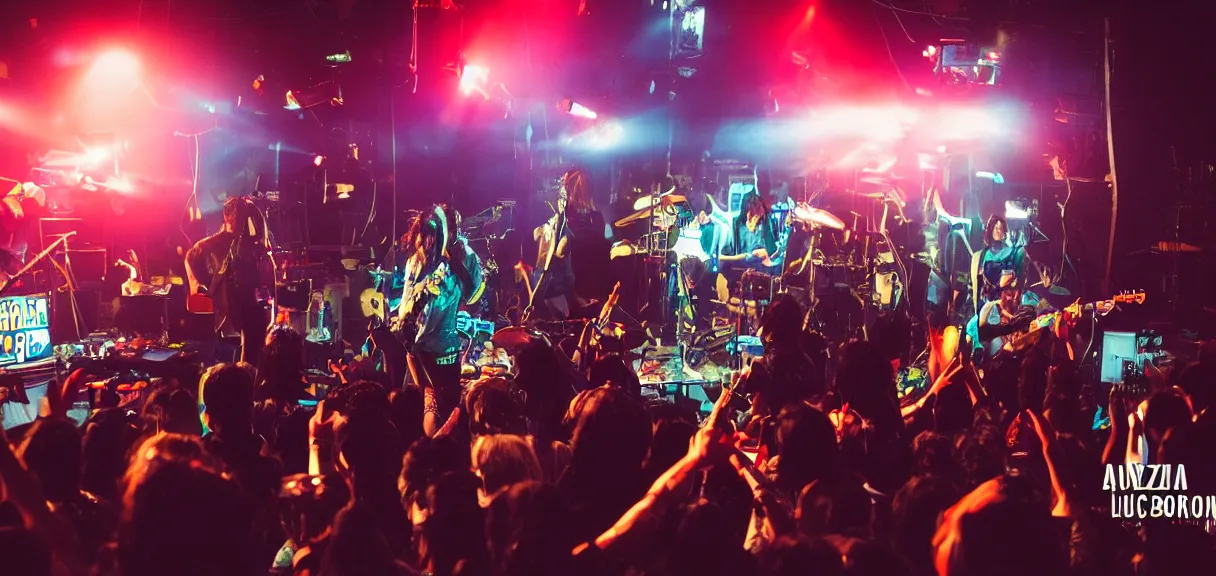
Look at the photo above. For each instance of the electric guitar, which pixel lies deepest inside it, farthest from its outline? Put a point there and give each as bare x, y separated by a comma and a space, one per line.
405, 326
1022, 340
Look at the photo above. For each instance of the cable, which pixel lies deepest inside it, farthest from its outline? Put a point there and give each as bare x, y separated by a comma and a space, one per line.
919, 12
891, 54
899, 21
192, 201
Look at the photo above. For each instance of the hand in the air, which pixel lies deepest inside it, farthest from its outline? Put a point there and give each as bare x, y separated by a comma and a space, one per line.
760, 253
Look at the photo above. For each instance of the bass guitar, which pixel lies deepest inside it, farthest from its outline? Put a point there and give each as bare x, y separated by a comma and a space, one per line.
413, 302
1022, 340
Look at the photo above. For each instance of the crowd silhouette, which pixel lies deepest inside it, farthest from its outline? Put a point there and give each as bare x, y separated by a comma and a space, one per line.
808, 463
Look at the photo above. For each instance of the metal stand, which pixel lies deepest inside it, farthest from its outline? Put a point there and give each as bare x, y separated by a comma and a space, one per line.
70, 278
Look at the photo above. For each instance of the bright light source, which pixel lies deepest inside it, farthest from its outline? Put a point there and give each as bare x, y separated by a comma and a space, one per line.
994, 56
318, 160
994, 176
968, 124
113, 76
474, 79
339, 58
1015, 211
575, 109
95, 156
116, 65
344, 190
292, 102
607, 135
119, 184
931, 50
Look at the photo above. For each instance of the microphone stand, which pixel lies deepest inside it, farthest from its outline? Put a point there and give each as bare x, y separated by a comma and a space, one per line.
41, 255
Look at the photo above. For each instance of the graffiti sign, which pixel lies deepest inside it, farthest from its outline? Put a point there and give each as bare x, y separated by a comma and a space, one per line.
25, 330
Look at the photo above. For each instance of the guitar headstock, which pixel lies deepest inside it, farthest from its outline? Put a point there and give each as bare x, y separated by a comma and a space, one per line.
1104, 307
1133, 297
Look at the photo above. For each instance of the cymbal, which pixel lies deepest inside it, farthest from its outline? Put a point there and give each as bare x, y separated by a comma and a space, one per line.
648, 211
817, 217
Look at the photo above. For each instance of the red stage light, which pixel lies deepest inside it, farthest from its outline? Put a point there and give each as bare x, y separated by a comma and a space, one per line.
112, 77
116, 65
994, 56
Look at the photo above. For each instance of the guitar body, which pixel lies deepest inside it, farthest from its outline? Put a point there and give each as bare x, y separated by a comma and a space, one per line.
200, 304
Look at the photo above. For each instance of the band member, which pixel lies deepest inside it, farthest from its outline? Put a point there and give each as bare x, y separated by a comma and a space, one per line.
574, 232
1013, 311
231, 267
440, 274
752, 240
998, 257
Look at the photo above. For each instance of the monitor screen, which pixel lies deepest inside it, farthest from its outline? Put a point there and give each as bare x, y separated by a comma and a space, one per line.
1117, 347
25, 329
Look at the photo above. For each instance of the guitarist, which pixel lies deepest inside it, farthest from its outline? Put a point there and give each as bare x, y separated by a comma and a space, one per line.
576, 230
440, 274
230, 267
1012, 313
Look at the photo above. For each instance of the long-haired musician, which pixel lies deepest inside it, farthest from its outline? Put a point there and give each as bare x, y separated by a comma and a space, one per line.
441, 273
231, 267
752, 240
571, 233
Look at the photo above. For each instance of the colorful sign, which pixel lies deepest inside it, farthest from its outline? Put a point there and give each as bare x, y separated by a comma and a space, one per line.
25, 329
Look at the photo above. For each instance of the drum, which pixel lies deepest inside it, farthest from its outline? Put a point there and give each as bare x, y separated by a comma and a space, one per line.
755, 285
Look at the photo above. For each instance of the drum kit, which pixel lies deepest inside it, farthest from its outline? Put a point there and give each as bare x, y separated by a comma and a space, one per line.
856, 260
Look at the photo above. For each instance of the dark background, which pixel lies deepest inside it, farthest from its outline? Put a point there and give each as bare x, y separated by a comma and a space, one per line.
471, 152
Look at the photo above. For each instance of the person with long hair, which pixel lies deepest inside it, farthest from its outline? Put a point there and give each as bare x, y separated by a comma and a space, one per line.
231, 267
440, 274
752, 238
571, 236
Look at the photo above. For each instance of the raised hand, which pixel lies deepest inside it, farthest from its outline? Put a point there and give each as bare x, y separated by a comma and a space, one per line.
60, 398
